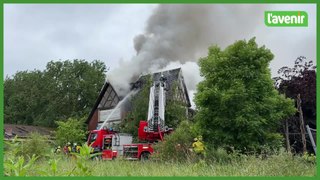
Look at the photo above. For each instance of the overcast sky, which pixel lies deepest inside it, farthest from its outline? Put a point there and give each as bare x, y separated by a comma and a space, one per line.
170, 35
36, 34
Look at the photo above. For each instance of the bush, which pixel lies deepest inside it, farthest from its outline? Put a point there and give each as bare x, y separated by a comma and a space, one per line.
37, 145
176, 146
71, 130
220, 155
311, 158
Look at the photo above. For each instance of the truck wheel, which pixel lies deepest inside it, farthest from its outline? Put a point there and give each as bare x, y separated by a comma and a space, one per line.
144, 156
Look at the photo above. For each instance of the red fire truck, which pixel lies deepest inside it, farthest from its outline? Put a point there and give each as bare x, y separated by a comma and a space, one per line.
113, 144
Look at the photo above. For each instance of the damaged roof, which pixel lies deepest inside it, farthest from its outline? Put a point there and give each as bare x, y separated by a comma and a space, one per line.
109, 95
171, 76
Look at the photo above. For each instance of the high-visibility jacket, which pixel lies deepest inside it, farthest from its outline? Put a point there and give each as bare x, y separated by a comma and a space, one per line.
198, 147
78, 148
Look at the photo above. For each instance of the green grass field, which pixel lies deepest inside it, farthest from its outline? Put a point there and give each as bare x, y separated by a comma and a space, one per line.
20, 162
250, 166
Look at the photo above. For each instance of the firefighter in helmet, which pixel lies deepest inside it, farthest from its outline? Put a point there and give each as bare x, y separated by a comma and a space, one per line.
198, 146
69, 147
78, 147
58, 150
107, 143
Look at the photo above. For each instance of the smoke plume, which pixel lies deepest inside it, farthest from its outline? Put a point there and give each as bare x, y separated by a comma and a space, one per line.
178, 35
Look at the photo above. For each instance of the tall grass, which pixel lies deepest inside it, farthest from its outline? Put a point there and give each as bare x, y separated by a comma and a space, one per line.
215, 163
278, 165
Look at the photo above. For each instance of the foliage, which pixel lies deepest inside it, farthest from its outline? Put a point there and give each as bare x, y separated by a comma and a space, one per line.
64, 89
299, 79
36, 144
219, 155
16, 163
237, 103
23, 98
84, 169
176, 146
175, 111
18, 166
283, 164
139, 104
71, 130
309, 157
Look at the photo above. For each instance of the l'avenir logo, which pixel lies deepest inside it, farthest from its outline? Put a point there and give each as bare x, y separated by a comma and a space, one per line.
286, 18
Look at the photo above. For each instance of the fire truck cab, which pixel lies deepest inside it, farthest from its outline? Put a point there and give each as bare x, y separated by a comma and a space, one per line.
109, 143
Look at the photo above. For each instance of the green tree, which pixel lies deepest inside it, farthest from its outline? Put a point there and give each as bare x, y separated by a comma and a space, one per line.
175, 111
139, 104
64, 89
22, 97
71, 130
237, 103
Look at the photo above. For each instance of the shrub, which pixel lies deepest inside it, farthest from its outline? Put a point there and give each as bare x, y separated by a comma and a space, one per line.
71, 130
18, 166
176, 146
219, 155
311, 158
37, 145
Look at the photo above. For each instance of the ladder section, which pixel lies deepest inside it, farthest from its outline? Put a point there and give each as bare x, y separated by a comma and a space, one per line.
156, 120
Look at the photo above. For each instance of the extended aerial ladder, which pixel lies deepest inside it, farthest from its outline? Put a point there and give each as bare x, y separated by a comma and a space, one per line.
154, 128
112, 144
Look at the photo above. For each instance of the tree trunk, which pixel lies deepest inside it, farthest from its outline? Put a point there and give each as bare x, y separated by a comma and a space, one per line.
286, 131
302, 127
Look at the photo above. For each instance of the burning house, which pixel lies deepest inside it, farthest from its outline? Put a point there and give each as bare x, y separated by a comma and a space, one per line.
108, 106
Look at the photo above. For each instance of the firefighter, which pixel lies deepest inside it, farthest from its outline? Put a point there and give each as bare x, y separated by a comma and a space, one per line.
74, 147
58, 150
198, 146
69, 147
78, 148
65, 149
108, 143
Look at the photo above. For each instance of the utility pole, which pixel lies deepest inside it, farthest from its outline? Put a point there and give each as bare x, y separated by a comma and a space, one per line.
302, 127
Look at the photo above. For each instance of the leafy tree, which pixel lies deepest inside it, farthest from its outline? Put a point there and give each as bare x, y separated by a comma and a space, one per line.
22, 97
64, 89
71, 131
237, 103
299, 79
175, 112
139, 104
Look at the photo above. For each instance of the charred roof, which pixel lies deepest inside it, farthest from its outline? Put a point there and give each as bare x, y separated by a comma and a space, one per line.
108, 98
